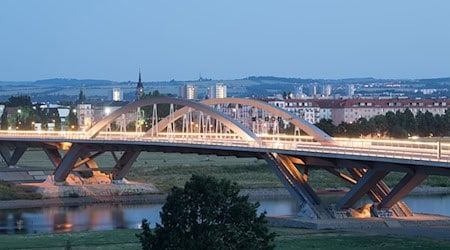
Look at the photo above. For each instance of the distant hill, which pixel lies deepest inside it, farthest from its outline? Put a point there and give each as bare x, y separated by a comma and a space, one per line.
72, 82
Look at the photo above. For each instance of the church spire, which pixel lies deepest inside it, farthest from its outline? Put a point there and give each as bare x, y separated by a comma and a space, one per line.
139, 88
140, 76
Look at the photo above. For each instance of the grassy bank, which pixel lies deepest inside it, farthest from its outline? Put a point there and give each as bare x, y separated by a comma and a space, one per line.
288, 238
167, 170
10, 191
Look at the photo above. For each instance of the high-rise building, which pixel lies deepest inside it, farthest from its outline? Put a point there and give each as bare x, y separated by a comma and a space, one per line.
139, 88
350, 90
218, 91
188, 91
117, 94
327, 90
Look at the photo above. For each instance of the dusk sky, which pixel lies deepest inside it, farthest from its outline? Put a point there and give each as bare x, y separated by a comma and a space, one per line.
167, 40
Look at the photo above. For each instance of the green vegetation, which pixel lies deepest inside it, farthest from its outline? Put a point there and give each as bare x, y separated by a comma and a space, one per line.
396, 125
288, 238
24, 115
168, 170
10, 191
208, 213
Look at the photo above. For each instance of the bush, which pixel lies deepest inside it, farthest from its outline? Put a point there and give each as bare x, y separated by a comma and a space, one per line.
208, 214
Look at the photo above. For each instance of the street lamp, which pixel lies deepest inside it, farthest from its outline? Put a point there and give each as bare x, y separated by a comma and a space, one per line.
18, 122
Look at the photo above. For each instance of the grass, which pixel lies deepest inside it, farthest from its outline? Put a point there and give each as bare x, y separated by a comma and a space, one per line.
288, 238
168, 170
10, 191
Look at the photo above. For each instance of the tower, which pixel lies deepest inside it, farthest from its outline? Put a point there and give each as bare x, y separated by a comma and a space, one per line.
139, 88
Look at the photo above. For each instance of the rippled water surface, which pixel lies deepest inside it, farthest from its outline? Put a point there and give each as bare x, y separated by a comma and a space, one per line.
107, 216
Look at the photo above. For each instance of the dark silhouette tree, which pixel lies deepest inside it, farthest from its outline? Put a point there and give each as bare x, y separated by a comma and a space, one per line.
19, 101
81, 97
380, 125
208, 214
327, 126
4, 120
72, 120
408, 122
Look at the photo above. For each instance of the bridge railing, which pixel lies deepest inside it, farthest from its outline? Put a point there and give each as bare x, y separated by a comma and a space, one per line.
401, 149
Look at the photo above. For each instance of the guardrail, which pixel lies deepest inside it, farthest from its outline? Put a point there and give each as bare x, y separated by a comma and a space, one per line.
399, 149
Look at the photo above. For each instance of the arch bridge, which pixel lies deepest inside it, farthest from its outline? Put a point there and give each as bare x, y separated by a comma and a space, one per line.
244, 128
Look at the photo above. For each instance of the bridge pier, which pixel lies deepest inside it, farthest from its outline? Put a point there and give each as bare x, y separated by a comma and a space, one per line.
362, 187
54, 156
297, 185
123, 165
408, 183
67, 163
365, 180
11, 159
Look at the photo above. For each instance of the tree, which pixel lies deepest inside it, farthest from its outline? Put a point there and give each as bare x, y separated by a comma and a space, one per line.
19, 101
207, 214
81, 97
380, 125
72, 120
327, 126
4, 120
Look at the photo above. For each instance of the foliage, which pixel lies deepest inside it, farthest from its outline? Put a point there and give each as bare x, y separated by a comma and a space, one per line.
208, 214
81, 97
327, 126
4, 120
19, 101
72, 120
396, 125
9, 191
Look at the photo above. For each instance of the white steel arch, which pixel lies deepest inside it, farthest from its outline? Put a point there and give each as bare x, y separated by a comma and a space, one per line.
301, 123
239, 129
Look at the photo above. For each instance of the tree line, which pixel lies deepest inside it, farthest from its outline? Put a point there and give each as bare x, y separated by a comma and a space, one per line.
25, 115
395, 125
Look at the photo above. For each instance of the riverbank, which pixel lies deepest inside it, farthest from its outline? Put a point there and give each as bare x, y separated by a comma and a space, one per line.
254, 194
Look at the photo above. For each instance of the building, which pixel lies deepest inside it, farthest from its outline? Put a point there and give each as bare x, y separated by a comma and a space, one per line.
188, 91
85, 116
139, 88
350, 90
327, 90
308, 109
219, 90
117, 95
351, 110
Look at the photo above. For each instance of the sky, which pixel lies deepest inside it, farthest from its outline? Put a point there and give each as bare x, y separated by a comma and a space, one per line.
229, 39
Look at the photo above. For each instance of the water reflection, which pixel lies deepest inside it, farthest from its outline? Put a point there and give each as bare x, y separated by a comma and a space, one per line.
108, 216
80, 218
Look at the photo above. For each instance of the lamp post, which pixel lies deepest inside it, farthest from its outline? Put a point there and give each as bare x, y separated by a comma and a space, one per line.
19, 122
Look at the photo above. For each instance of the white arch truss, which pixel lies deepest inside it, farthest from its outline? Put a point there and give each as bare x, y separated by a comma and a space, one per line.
238, 128
301, 123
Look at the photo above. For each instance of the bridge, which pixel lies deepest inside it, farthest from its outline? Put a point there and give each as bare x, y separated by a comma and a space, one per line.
243, 128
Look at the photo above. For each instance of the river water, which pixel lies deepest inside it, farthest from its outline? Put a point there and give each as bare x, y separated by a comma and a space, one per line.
108, 216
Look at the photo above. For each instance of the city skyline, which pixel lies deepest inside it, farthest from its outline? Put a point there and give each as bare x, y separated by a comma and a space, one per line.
223, 40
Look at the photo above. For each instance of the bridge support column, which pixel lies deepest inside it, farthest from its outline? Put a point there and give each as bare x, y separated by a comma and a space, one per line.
368, 181
54, 156
379, 192
408, 182
12, 159
296, 183
68, 163
124, 164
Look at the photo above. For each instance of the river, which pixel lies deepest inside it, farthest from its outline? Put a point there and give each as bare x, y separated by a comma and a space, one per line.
108, 217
